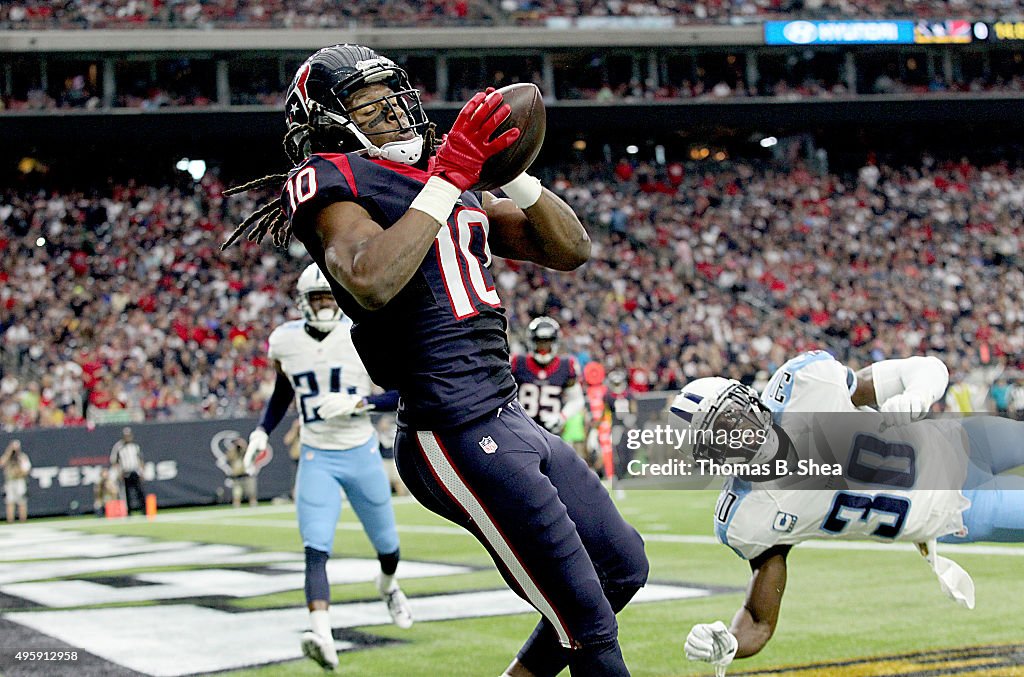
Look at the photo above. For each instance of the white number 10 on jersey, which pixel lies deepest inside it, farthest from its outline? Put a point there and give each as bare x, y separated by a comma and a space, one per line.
453, 247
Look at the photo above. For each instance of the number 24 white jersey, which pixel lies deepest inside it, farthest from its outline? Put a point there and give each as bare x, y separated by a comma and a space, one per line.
317, 368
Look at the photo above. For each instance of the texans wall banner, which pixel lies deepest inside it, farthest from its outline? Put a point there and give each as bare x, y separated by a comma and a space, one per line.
185, 463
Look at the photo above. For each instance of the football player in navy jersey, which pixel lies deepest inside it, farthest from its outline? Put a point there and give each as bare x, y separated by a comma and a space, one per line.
388, 215
619, 402
549, 389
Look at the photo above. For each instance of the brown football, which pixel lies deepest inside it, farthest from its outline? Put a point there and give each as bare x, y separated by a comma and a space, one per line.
528, 115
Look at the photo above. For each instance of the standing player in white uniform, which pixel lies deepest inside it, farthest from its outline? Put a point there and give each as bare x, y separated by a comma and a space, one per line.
761, 523
317, 366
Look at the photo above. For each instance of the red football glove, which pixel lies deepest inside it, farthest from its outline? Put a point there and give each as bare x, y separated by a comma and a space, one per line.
466, 147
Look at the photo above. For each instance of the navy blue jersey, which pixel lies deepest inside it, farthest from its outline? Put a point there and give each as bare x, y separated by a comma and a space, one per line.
541, 387
441, 341
620, 404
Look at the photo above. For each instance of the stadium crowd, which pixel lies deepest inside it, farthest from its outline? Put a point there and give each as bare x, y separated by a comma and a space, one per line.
121, 299
253, 14
735, 269
50, 14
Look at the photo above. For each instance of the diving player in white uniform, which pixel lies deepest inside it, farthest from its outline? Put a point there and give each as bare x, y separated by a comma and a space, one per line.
762, 521
317, 366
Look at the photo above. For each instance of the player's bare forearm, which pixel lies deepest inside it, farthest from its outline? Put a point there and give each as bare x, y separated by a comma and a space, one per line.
754, 624
564, 242
750, 635
548, 233
371, 263
864, 395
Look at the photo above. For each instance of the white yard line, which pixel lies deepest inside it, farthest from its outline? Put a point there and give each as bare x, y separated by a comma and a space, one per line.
240, 518
965, 549
690, 539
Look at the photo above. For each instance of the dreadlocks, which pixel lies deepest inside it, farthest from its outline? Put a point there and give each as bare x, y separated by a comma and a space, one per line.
269, 217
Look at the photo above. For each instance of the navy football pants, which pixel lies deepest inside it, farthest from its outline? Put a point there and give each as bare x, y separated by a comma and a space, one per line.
548, 523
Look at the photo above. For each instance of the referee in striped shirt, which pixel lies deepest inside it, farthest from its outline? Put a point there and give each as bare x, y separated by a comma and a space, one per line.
127, 456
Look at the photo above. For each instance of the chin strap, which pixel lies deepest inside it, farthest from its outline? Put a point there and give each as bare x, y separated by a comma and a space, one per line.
406, 152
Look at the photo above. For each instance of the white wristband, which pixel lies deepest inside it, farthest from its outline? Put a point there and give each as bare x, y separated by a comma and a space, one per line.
524, 190
437, 199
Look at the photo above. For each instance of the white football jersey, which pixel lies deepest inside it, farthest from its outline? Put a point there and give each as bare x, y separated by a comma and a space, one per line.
751, 518
811, 382
317, 368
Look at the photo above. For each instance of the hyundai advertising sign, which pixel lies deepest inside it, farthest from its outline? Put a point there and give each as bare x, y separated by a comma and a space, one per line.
839, 32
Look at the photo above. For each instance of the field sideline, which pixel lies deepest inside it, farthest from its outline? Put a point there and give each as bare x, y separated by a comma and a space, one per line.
844, 601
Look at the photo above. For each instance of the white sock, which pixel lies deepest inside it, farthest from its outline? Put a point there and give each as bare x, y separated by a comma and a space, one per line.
385, 582
320, 621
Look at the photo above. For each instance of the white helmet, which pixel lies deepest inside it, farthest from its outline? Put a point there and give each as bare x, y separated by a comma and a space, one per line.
729, 422
312, 281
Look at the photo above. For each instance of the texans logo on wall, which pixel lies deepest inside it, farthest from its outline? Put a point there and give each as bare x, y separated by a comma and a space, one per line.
223, 441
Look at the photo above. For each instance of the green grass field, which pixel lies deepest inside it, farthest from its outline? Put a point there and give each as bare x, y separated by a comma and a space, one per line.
840, 604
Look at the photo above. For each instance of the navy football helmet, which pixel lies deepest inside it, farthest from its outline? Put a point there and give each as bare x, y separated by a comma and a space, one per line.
543, 338
320, 121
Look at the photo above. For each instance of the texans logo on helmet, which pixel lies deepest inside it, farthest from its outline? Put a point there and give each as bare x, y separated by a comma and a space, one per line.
300, 93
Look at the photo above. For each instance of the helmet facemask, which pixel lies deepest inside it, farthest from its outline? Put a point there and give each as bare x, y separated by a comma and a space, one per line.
736, 428
543, 351
318, 313
316, 301
404, 108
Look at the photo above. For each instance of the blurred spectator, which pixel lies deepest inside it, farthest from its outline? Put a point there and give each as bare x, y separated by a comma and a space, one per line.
1017, 400
155, 320
106, 490
16, 466
242, 483
76, 95
783, 261
1000, 394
